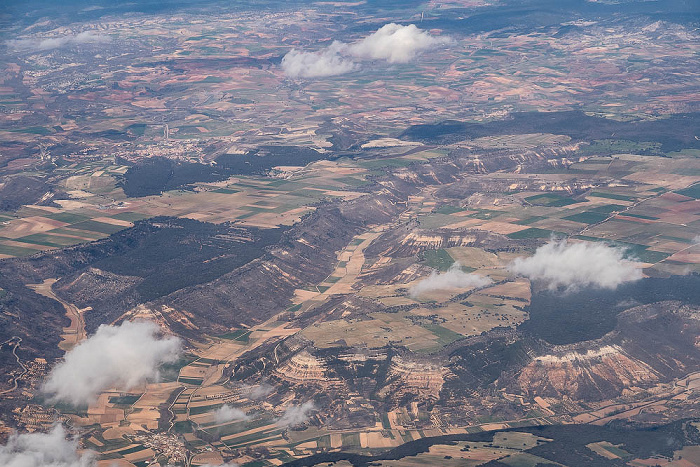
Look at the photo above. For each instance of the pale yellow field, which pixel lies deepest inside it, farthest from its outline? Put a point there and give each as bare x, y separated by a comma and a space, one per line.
474, 257
382, 329
146, 411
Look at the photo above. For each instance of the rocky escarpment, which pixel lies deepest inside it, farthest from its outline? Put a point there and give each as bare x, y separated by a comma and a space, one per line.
409, 240
651, 344
305, 256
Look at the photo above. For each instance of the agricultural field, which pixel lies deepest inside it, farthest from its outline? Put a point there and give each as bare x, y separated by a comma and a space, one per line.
96, 214
250, 236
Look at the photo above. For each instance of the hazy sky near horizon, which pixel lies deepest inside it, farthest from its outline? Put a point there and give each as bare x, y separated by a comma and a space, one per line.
21, 13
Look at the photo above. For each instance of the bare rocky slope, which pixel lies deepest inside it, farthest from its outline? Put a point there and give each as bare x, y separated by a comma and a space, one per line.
651, 344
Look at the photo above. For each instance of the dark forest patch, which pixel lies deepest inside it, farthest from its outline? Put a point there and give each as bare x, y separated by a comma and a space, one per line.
155, 175
158, 174
673, 133
22, 190
172, 253
260, 161
591, 313
478, 364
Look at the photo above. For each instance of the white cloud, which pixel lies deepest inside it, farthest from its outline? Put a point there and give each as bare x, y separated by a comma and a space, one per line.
396, 43
326, 62
296, 414
85, 37
259, 392
393, 43
627, 303
571, 266
696, 239
454, 278
227, 413
43, 450
114, 357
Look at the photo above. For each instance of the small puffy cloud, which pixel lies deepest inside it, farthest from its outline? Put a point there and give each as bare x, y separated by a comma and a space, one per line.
119, 357
393, 43
85, 37
296, 414
326, 62
627, 303
259, 392
396, 43
256, 392
571, 266
43, 450
454, 278
696, 239
227, 413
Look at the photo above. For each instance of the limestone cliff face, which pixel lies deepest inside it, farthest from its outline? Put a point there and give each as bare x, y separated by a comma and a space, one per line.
421, 379
651, 344
581, 374
304, 368
408, 241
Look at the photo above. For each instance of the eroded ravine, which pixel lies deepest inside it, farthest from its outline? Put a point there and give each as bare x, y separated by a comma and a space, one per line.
73, 334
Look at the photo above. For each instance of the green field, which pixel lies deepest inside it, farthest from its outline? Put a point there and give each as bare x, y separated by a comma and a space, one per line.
95, 226
239, 426
128, 399
351, 440
129, 216
641, 216
137, 129
532, 233
530, 220
253, 438
620, 146
600, 194
208, 361
650, 256
447, 209
16, 250
184, 426
437, 259
49, 240
237, 335
203, 408
68, 217
78, 233
384, 163
608, 208
193, 381
138, 448
227, 191
385, 421
170, 371
34, 130
485, 214
551, 200
587, 217
445, 336
691, 192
